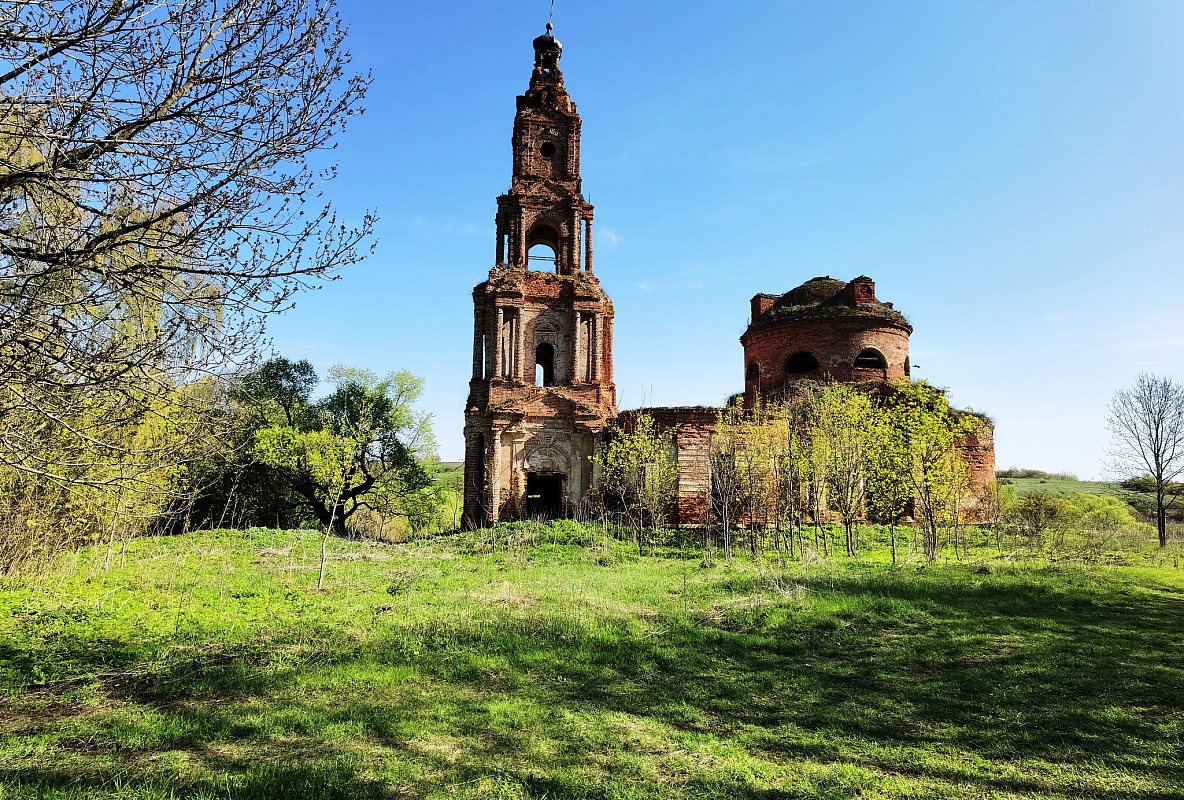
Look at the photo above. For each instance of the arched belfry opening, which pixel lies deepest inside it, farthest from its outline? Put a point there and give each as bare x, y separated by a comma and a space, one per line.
543, 247
542, 389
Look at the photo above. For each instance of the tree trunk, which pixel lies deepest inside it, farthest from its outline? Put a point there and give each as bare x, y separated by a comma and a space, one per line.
335, 525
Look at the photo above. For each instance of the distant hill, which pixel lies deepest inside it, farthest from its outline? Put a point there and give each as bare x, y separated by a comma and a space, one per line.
449, 469
1059, 485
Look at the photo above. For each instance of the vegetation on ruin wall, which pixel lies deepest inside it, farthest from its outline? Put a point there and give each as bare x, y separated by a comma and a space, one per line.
789, 465
815, 311
563, 665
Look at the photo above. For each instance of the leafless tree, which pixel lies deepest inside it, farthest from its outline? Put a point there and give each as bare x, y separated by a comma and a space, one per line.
156, 202
1147, 428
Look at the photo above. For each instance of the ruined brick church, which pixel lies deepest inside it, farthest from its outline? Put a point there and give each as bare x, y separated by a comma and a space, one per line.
542, 395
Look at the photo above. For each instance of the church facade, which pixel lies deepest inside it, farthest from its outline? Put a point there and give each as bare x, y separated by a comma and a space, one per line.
542, 397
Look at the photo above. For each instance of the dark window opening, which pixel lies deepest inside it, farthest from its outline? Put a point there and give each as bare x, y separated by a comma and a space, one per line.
754, 372
544, 359
870, 359
801, 363
544, 496
908, 369
547, 149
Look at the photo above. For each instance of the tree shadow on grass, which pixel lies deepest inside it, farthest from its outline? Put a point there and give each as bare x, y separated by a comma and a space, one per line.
963, 686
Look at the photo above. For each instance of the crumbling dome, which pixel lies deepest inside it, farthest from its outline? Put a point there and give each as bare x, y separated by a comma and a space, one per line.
823, 330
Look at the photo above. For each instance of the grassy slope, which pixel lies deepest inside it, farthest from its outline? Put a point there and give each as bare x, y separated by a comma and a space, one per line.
1059, 488
206, 666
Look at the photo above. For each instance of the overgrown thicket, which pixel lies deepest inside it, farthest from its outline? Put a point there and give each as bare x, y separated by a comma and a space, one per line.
783, 470
808, 476
359, 459
157, 204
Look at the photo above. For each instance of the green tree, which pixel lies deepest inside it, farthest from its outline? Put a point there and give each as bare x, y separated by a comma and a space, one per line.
889, 468
637, 469
841, 425
754, 463
726, 487
1100, 513
156, 205
931, 431
786, 448
362, 446
1039, 511
996, 506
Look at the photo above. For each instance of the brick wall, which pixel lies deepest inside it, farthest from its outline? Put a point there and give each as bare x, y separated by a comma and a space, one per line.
692, 426
835, 342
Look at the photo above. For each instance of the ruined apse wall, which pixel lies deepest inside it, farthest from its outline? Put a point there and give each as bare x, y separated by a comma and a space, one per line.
845, 329
978, 449
542, 388
824, 330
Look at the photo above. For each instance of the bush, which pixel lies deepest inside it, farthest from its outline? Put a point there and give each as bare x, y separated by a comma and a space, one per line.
1037, 474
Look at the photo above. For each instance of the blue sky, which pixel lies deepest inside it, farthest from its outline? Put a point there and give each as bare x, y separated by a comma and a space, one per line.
1011, 174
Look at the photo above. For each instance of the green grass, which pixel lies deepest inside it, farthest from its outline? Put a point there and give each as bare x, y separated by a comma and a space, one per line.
1062, 488
450, 470
565, 666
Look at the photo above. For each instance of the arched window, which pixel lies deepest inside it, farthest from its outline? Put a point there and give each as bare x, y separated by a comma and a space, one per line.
870, 359
908, 368
542, 244
541, 252
544, 361
800, 363
753, 372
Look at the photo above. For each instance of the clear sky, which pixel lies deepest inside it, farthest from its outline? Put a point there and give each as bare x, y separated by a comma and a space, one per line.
1011, 174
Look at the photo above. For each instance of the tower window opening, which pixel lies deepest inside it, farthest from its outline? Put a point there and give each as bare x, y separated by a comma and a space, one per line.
800, 363
542, 252
544, 369
543, 234
753, 372
908, 368
870, 359
547, 149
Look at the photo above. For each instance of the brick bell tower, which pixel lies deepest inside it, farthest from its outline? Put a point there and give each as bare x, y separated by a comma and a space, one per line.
542, 388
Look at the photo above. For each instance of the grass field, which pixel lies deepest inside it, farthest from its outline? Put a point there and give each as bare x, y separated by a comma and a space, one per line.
562, 665
1063, 488
450, 470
